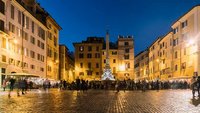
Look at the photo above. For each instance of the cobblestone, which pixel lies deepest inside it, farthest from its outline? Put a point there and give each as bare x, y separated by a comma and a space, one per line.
100, 101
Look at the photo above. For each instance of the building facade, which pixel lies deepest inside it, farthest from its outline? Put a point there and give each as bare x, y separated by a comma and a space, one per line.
52, 48
176, 55
66, 64
22, 38
88, 58
142, 65
125, 57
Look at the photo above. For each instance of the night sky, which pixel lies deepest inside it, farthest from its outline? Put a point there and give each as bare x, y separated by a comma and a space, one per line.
143, 19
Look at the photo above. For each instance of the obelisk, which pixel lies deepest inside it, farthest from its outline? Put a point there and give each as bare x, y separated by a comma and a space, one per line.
107, 74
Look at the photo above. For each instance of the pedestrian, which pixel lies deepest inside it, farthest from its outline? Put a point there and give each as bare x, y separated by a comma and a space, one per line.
144, 85
193, 83
78, 84
198, 85
157, 85
117, 86
11, 83
4, 84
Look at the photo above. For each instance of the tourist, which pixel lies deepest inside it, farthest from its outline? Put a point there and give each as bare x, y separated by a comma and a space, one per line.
198, 85
193, 85
4, 84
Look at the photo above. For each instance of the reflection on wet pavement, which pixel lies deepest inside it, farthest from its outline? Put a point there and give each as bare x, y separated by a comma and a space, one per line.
100, 101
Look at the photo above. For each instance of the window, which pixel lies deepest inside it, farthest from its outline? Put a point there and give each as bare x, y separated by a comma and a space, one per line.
1, 25
19, 17
127, 65
25, 36
89, 72
126, 43
114, 52
81, 55
2, 7
50, 36
12, 11
183, 65
104, 60
176, 67
38, 43
81, 48
81, 73
126, 56
41, 33
49, 68
32, 53
42, 69
32, 66
33, 27
11, 27
38, 56
55, 56
3, 58
175, 30
97, 48
27, 23
126, 50
32, 40
97, 55
89, 65
42, 45
97, 65
3, 43
89, 55
175, 42
184, 24
81, 65
175, 55
55, 41
97, 73
89, 48
114, 60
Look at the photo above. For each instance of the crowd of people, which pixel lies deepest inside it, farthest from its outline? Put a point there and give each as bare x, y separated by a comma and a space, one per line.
23, 85
143, 85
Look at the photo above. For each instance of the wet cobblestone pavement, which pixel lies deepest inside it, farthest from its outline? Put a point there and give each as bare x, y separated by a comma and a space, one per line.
100, 101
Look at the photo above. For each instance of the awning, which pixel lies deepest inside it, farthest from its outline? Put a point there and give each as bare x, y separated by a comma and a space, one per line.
22, 74
181, 77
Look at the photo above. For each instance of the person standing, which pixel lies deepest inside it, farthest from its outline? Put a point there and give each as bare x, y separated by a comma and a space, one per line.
193, 83
157, 85
198, 85
4, 84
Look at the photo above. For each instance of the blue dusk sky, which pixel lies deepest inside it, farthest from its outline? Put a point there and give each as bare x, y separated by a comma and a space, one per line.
145, 20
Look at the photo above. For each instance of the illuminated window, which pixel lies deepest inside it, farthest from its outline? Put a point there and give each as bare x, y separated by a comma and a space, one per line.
3, 43
81, 48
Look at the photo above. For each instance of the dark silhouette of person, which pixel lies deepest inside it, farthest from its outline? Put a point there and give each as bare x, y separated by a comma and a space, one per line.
78, 84
198, 85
